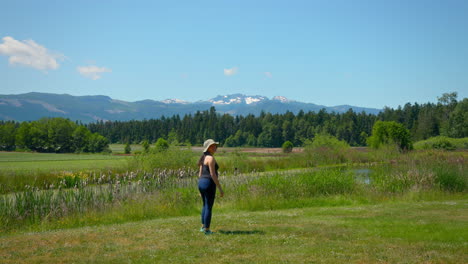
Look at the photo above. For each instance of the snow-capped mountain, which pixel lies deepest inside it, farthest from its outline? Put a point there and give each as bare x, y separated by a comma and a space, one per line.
282, 99
33, 106
237, 99
174, 101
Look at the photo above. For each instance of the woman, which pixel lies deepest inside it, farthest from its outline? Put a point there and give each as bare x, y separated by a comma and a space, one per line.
207, 182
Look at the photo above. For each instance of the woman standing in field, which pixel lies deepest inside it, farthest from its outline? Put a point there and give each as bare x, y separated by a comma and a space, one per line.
207, 182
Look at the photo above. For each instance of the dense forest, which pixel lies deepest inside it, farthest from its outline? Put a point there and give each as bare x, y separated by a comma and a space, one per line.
58, 135
447, 117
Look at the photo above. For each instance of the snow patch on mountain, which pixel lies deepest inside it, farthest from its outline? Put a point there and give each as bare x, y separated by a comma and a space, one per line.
174, 101
236, 99
251, 100
114, 111
282, 99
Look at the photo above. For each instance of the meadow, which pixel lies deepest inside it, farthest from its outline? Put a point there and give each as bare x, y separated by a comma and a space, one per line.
319, 205
21, 169
396, 232
120, 148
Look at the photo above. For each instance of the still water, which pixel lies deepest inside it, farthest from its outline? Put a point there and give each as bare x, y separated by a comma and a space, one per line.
362, 176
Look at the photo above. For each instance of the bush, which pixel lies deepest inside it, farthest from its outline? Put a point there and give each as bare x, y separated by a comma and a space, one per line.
161, 145
326, 141
389, 133
287, 147
441, 142
325, 149
449, 179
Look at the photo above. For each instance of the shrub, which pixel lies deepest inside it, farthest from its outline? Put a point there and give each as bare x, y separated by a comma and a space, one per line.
287, 147
325, 149
441, 142
161, 145
389, 133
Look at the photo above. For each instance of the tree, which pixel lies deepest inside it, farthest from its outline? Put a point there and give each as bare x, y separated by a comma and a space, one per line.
127, 149
146, 146
23, 139
448, 98
80, 139
458, 121
172, 137
251, 140
97, 143
390, 132
447, 103
288, 133
7, 136
59, 134
38, 136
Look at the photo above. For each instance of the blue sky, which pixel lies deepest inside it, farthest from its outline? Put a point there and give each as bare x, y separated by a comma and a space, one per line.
367, 53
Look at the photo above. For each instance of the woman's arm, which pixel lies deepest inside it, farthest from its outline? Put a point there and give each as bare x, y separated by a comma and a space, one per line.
200, 171
211, 164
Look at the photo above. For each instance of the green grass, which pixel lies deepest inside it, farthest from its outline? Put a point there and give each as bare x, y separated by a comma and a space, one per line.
21, 161
120, 148
410, 232
18, 169
412, 210
442, 142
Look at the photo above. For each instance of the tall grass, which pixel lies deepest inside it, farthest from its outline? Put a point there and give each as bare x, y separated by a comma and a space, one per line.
442, 142
423, 171
172, 158
162, 184
100, 198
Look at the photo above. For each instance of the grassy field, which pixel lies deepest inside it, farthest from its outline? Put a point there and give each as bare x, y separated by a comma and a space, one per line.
120, 148
324, 206
415, 232
23, 161
19, 169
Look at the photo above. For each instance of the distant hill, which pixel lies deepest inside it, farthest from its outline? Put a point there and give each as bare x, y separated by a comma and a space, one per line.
33, 106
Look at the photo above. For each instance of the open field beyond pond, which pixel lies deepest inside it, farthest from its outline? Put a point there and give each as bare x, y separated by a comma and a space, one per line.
46, 162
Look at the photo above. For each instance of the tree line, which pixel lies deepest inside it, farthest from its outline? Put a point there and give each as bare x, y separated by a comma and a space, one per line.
57, 135
446, 117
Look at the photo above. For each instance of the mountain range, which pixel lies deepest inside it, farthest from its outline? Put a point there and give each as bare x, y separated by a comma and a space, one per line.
33, 106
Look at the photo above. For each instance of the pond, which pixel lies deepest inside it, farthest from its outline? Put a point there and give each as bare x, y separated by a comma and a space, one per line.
362, 176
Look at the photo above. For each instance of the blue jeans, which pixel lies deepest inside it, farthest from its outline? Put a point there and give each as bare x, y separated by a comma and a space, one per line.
207, 189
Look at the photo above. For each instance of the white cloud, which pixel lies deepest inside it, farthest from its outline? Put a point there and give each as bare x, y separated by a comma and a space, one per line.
268, 74
92, 72
29, 53
230, 72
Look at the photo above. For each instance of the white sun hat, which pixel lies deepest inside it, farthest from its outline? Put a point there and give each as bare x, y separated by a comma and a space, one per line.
208, 143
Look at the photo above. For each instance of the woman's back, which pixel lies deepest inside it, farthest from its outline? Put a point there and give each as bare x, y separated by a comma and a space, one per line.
205, 168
